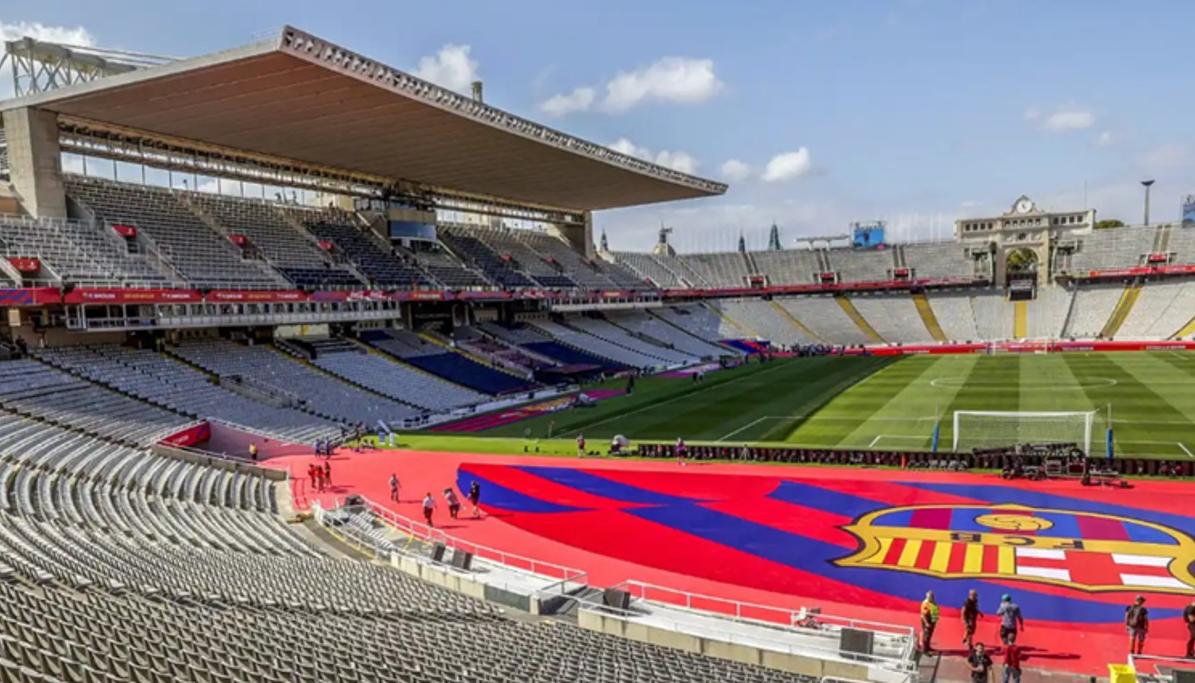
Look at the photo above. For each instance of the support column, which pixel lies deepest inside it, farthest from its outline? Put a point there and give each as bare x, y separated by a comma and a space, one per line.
580, 236
34, 161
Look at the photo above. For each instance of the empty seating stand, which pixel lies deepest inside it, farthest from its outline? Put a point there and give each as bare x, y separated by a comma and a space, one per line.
200, 255
501, 270
319, 392
398, 381
449, 365
166, 382
384, 269
78, 252
290, 251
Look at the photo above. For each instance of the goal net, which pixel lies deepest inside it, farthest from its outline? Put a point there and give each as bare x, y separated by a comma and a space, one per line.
999, 429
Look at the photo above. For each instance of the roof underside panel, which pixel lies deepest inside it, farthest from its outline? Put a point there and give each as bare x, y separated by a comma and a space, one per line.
290, 105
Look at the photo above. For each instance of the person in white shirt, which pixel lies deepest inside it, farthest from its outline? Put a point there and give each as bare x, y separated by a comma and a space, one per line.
429, 506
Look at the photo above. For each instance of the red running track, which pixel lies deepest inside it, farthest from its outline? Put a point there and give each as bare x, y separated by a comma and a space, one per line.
778, 536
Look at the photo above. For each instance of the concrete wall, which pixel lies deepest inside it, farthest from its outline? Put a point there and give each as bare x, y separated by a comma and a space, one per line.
808, 666
218, 463
465, 584
34, 161
226, 439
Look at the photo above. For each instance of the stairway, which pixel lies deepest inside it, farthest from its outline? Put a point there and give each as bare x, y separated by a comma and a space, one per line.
1161, 240
860, 322
1020, 319
823, 260
928, 318
1186, 330
1128, 299
749, 260
792, 319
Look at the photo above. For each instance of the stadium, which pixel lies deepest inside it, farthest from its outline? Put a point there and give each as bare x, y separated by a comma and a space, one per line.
271, 310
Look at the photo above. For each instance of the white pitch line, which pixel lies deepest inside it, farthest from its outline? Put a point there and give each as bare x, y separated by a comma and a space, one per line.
653, 406
875, 441
1189, 454
747, 426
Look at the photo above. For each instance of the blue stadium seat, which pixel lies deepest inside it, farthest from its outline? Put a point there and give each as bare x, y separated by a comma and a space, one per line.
465, 371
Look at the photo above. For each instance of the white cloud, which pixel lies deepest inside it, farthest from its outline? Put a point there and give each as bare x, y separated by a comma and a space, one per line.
450, 68
579, 99
1066, 118
1170, 155
788, 166
683, 80
734, 169
676, 160
1071, 119
631, 149
670, 79
76, 35
1104, 139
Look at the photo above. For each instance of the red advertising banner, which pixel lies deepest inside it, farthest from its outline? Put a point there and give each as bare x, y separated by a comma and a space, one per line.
25, 264
125, 296
252, 295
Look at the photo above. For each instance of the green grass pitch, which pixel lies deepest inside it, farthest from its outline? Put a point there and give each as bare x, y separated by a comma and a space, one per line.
889, 403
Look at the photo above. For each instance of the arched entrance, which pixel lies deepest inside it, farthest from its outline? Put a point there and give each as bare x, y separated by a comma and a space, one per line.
1021, 261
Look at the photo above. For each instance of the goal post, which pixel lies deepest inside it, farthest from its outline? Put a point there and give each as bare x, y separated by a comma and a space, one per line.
999, 429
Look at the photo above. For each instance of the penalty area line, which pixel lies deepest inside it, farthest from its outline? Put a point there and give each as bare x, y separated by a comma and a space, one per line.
1185, 450
749, 425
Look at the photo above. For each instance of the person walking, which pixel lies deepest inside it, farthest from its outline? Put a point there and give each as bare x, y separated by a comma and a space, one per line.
971, 616
1136, 622
929, 621
429, 506
680, 448
980, 664
253, 451
1013, 654
327, 474
394, 487
1011, 621
1189, 620
580, 445
454, 503
475, 498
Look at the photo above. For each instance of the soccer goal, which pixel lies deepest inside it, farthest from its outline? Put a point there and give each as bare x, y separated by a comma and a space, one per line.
998, 429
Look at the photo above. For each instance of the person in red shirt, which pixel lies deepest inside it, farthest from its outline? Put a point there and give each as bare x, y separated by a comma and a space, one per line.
311, 475
327, 474
1013, 655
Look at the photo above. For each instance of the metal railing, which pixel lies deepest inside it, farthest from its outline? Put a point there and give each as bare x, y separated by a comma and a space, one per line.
430, 534
1158, 669
894, 638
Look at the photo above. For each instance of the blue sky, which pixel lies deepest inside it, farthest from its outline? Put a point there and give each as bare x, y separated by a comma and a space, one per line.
916, 112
